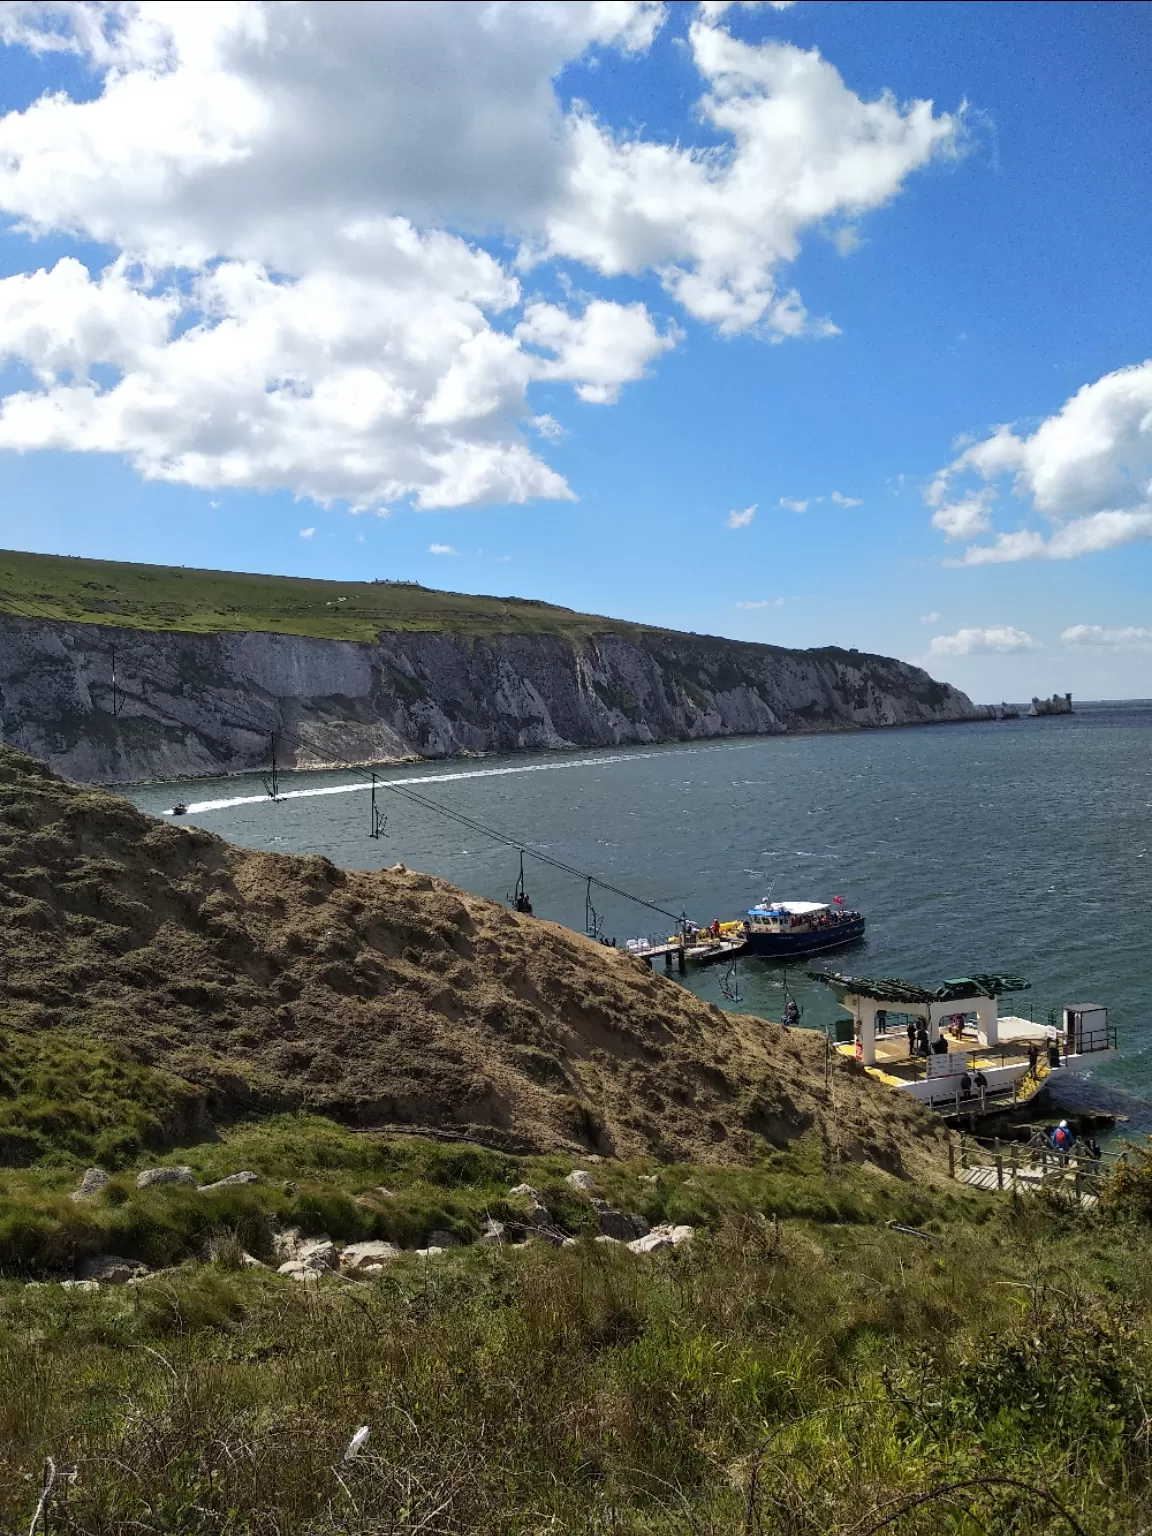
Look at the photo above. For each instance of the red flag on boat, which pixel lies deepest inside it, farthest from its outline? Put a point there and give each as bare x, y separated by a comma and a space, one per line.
839, 900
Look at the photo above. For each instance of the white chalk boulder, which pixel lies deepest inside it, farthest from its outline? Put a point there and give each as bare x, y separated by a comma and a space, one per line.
361, 1258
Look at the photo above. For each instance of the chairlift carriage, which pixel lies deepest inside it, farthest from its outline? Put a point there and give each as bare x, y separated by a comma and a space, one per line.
520, 900
271, 780
592, 919
378, 819
730, 982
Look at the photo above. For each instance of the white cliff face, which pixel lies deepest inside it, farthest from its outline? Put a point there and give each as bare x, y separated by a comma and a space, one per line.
188, 704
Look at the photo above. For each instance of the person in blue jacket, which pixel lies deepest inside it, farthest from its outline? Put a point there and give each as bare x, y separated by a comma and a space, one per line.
1062, 1138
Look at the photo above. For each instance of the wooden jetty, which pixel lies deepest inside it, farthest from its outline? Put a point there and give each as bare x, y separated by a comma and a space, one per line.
1022, 1168
675, 953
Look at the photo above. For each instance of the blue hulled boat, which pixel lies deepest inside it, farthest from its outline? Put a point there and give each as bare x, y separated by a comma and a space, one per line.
780, 929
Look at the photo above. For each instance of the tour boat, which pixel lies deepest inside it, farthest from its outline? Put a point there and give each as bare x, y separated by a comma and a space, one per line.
781, 929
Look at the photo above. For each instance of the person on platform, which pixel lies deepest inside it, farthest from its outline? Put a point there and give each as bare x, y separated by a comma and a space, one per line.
911, 1037
980, 1083
1033, 1057
1063, 1138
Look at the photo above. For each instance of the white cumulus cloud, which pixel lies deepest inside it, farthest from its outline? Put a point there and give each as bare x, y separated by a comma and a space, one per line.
605, 347
441, 549
763, 602
292, 196
742, 519
1084, 474
805, 151
1000, 641
307, 533
845, 501
794, 505
929, 618
1131, 637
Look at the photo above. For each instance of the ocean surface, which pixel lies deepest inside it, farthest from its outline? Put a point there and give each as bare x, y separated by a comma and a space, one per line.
1016, 846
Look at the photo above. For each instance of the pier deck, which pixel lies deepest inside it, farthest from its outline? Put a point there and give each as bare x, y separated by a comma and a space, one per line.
688, 954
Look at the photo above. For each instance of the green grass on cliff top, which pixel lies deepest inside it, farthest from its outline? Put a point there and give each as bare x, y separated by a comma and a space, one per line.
165, 597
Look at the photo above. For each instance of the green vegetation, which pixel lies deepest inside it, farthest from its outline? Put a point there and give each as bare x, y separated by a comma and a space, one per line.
65, 588
801, 1368
65, 1097
327, 1180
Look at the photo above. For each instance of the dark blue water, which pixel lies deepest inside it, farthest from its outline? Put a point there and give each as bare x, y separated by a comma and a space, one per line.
1018, 846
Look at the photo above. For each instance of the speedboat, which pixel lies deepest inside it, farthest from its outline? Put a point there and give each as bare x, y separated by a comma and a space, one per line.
781, 929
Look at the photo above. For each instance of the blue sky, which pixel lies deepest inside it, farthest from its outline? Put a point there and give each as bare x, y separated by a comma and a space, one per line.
534, 300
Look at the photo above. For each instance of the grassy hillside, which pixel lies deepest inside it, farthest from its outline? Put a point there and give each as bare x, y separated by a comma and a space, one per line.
163, 597
801, 1368
254, 980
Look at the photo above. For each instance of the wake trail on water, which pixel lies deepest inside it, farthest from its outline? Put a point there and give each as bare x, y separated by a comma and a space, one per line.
429, 778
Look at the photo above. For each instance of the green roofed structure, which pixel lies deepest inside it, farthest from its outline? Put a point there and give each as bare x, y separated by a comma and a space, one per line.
949, 1045
892, 989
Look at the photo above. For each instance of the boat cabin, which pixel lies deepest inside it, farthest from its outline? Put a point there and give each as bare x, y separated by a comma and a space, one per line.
787, 916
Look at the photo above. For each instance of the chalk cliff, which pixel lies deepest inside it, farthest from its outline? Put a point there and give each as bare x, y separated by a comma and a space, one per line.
187, 704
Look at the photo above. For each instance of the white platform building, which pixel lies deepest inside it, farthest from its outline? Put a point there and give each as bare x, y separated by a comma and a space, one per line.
958, 1034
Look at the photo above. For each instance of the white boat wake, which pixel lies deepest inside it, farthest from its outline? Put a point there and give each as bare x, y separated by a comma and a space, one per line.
198, 807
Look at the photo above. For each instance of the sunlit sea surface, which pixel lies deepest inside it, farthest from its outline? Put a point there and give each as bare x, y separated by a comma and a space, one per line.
1018, 846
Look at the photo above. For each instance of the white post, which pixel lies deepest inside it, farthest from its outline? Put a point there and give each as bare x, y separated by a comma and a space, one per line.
866, 1021
987, 1021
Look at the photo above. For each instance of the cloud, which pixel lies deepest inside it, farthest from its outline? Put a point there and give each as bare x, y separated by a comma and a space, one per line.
1088, 636
793, 505
964, 519
441, 549
929, 618
605, 347
292, 197
845, 501
714, 9
1005, 640
1084, 476
764, 602
547, 426
307, 533
742, 519
1083, 536
801, 151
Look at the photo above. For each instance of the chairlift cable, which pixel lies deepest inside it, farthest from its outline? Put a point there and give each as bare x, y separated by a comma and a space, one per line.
205, 692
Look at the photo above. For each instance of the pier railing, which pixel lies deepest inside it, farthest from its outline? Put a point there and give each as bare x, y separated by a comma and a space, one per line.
950, 1097
1021, 1166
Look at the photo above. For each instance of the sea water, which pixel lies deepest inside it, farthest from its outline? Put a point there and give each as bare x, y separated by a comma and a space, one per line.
1015, 846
